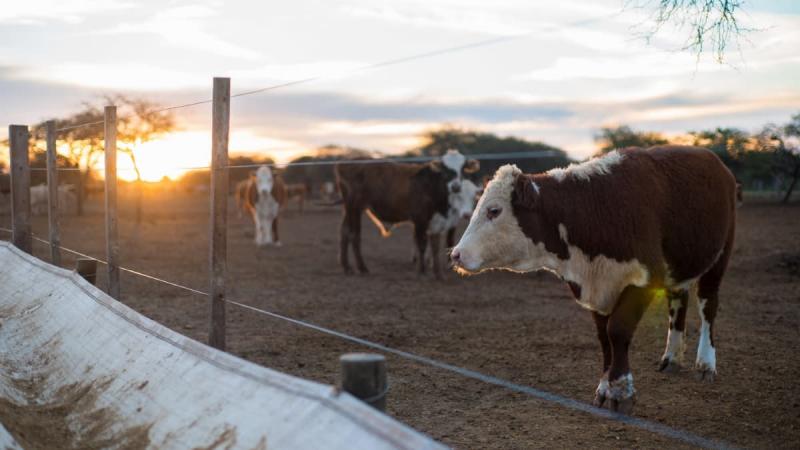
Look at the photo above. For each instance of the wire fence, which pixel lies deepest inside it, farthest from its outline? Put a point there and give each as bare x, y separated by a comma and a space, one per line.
510, 156
540, 394
566, 402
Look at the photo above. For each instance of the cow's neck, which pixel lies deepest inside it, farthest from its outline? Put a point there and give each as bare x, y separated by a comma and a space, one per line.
568, 221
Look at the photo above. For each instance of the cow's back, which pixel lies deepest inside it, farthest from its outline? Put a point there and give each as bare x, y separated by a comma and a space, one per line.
671, 208
384, 188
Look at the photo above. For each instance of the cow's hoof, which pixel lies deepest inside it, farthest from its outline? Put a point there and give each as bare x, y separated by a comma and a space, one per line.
363, 271
706, 374
624, 406
599, 400
669, 366
277, 244
348, 271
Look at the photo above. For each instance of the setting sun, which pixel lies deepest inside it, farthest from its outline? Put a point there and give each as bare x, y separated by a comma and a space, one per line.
171, 156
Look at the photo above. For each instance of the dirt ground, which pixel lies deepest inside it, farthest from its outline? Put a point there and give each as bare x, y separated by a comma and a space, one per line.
523, 328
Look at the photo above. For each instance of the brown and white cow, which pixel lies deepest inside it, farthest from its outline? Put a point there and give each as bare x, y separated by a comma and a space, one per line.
393, 193
240, 195
462, 203
617, 229
265, 196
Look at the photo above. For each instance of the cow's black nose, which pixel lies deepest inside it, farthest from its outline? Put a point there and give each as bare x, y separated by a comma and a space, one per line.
456, 188
455, 256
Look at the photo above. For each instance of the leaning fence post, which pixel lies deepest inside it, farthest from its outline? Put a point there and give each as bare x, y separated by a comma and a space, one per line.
220, 117
87, 269
52, 195
364, 376
20, 188
112, 246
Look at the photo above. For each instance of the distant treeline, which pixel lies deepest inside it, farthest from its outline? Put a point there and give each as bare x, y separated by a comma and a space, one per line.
765, 161
437, 142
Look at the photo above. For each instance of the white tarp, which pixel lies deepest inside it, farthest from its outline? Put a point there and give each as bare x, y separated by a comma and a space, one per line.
78, 369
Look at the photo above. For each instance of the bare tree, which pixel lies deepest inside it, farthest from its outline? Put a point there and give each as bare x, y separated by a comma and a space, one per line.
784, 142
711, 25
139, 121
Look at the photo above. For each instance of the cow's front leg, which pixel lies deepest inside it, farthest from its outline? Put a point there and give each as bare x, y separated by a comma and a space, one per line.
258, 229
421, 239
276, 239
620, 328
601, 322
435, 256
266, 230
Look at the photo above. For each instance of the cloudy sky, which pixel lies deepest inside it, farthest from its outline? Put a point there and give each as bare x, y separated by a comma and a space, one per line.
558, 72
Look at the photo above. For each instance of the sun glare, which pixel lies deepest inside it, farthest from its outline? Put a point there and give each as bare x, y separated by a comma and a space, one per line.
170, 156
178, 153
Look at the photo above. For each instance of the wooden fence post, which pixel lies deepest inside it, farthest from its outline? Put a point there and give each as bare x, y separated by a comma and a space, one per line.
52, 195
87, 268
220, 117
364, 376
20, 188
112, 245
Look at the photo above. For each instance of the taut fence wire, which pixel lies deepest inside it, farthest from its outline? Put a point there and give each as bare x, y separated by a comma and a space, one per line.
403, 159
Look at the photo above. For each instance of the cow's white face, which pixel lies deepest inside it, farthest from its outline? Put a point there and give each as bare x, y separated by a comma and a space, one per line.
264, 180
454, 161
494, 238
453, 165
463, 202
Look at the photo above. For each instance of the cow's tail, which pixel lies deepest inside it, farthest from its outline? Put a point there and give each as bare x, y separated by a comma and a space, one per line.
378, 223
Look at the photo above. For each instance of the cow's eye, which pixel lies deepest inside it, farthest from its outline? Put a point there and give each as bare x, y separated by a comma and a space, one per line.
493, 212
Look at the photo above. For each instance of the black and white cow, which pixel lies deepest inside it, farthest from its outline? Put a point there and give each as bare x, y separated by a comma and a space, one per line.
393, 193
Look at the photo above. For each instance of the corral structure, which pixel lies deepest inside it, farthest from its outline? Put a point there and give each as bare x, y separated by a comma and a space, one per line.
70, 348
81, 370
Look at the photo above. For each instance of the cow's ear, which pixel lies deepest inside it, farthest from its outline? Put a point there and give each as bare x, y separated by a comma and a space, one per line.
526, 192
436, 165
472, 166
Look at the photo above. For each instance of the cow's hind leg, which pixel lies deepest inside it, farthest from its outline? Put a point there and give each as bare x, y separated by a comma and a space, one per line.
676, 343
276, 240
355, 239
708, 299
601, 322
620, 328
344, 244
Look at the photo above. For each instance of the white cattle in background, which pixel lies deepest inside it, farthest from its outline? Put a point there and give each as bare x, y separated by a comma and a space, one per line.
265, 195
66, 198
